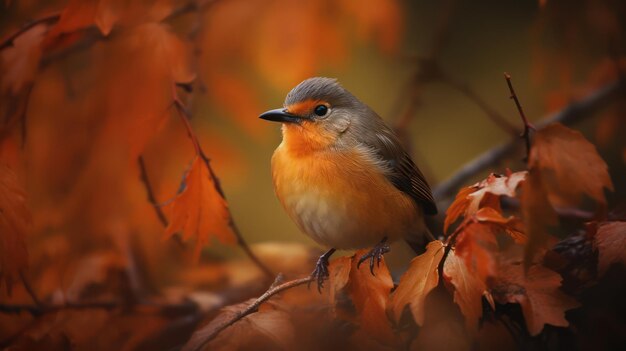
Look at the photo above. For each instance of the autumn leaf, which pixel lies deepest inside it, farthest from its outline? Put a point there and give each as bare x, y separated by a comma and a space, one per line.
199, 211
570, 166
476, 243
415, 284
370, 296
20, 63
538, 215
484, 193
339, 275
610, 241
14, 222
269, 326
458, 207
468, 289
511, 225
537, 291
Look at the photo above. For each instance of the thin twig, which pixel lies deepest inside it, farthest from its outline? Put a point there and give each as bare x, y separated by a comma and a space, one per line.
252, 308
527, 126
143, 175
184, 116
497, 118
569, 115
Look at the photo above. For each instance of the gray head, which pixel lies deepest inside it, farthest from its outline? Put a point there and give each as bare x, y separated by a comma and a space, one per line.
320, 108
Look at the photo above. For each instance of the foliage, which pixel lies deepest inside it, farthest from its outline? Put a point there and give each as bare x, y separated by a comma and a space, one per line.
96, 106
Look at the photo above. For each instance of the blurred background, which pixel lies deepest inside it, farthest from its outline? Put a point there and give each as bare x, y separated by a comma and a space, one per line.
85, 95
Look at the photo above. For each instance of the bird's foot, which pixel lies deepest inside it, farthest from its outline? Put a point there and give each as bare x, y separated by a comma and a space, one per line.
375, 254
320, 273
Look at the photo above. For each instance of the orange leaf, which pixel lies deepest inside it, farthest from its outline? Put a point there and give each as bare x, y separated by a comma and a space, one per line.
472, 198
19, 63
339, 274
370, 295
537, 291
199, 211
538, 215
14, 222
476, 243
610, 241
511, 225
417, 282
570, 166
458, 207
468, 289
269, 325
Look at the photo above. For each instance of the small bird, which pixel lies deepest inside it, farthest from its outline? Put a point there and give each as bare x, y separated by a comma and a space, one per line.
343, 176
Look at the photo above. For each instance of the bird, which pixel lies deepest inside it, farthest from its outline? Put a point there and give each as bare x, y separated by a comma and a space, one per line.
344, 177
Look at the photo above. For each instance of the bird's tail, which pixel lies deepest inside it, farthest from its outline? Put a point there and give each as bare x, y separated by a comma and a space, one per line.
418, 241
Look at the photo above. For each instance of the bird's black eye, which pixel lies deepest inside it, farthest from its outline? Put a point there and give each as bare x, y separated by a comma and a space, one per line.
321, 110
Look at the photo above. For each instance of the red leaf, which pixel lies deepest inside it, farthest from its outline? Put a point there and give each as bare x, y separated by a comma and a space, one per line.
468, 289
19, 63
570, 166
370, 295
472, 198
610, 241
537, 291
199, 211
417, 282
538, 215
14, 222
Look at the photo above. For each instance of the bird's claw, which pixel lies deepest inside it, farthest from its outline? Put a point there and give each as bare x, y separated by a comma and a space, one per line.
376, 254
320, 273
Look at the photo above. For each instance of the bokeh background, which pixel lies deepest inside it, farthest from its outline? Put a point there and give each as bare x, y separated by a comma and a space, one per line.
422, 65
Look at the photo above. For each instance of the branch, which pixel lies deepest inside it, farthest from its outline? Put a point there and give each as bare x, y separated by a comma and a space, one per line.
184, 116
196, 345
527, 126
143, 175
568, 116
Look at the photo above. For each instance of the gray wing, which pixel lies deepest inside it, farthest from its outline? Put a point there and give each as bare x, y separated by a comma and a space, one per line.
403, 172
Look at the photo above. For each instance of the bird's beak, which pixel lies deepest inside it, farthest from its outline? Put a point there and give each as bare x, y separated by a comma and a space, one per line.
280, 115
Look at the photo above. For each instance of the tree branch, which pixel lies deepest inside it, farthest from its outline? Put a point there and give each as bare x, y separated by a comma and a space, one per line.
527, 126
568, 116
274, 289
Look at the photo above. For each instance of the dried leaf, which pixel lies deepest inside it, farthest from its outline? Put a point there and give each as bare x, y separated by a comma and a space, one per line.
570, 166
538, 215
537, 291
415, 284
370, 296
458, 207
339, 275
267, 329
468, 289
511, 225
610, 241
484, 193
477, 244
199, 211
19, 63
15, 220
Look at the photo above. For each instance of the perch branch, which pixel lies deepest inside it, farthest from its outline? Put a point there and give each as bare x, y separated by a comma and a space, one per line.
568, 116
184, 116
252, 308
527, 126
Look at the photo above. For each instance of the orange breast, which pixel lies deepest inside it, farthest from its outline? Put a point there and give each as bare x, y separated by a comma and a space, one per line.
340, 199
